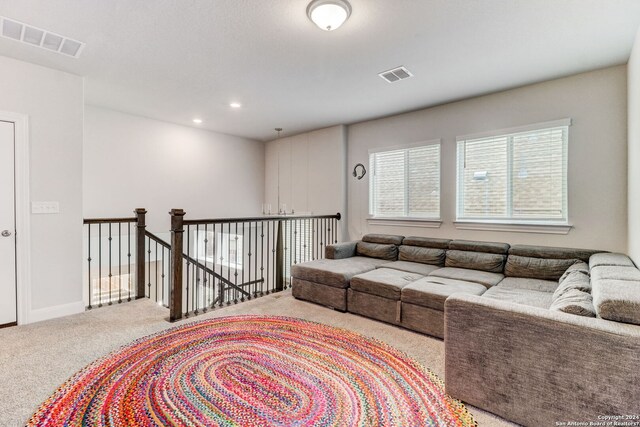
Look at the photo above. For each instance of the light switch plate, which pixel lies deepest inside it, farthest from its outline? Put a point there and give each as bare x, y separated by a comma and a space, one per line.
45, 207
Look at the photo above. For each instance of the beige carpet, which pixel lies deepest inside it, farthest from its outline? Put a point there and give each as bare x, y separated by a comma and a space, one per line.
35, 359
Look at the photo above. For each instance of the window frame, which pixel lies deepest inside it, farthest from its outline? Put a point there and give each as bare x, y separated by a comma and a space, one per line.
424, 221
534, 225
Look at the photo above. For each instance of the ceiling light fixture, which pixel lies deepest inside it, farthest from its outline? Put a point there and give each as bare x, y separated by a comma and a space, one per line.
197, 121
235, 105
329, 15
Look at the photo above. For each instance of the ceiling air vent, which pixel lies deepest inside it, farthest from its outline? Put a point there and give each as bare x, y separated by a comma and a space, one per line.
396, 74
34, 36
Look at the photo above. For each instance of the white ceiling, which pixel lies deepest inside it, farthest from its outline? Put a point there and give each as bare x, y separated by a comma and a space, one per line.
178, 59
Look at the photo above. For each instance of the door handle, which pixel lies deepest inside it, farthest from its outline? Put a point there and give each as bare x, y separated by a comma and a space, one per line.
6, 233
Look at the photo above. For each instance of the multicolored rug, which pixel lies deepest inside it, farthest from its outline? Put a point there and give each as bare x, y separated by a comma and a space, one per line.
253, 371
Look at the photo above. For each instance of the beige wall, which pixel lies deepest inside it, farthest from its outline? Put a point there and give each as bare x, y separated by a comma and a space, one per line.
597, 175
634, 151
53, 101
307, 172
132, 161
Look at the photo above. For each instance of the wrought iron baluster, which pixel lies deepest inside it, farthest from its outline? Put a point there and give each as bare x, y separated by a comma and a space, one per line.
228, 261
248, 258
188, 268
206, 302
149, 268
196, 292
255, 261
110, 275
162, 275
89, 264
129, 261
119, 263
100, 265
155, 263
235, 270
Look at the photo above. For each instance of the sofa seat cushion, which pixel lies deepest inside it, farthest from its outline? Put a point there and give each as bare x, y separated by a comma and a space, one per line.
475, 260
411, 267
475, 276
537, 268
528, 284
424, 255
606, 258
334, 272
433, 291
520, 296
383, 282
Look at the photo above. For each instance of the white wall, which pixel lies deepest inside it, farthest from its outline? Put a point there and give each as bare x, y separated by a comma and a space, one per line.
307, 172
634, 151
131, 162
53, 100
596, 101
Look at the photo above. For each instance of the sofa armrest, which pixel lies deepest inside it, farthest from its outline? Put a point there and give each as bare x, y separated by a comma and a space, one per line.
538, 367
340, 250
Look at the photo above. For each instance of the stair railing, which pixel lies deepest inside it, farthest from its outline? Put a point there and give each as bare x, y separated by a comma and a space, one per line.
110, 249
217, 262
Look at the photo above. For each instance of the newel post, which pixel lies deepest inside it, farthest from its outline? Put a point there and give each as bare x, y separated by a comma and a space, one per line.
175, 292
141, 226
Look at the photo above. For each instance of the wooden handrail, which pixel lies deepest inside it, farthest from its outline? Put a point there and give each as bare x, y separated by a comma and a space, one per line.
108, 220
257, 218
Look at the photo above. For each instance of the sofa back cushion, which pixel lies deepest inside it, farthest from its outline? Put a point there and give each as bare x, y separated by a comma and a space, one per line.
385, 239
474, 246
426, 242
578, 267
377, 250
551, 252
422, 255
576, 302
536, 268
475, 260
575, 280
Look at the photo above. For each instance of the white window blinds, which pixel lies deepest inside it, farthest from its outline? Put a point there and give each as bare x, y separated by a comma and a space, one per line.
405, 182
518, 177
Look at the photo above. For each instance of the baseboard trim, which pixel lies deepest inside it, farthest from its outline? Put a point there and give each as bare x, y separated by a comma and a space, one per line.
56, 311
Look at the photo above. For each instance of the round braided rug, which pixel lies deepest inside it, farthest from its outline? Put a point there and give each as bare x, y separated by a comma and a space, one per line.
253, 371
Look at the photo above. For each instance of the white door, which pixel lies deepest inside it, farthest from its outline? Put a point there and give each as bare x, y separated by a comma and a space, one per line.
7, 226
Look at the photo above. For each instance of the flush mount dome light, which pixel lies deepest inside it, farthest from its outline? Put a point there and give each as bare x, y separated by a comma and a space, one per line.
329, 14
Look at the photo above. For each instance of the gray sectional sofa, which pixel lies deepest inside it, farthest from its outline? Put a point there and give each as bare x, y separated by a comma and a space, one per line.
537, 335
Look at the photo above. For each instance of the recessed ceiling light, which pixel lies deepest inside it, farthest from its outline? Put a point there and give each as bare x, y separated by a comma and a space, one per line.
197, 121
235, 105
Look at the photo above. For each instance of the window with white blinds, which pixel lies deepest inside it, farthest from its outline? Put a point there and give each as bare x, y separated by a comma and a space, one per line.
405, 183
518, 177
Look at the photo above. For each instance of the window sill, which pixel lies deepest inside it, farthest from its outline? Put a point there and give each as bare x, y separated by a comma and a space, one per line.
541, 228
405, 222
